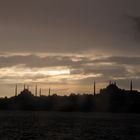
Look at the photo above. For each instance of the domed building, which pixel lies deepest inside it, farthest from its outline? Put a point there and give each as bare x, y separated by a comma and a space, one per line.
26, 93
110, 89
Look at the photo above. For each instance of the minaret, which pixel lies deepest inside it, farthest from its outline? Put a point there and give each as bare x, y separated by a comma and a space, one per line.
115, 83
131, 86
49, 91
24, 87
36, 90
94, 88
28, 87
16, 90
40, 92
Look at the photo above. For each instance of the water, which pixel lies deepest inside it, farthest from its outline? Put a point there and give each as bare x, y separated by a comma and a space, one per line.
68, 126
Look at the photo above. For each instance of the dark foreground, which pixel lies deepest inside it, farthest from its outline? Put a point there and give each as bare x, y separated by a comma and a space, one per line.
68, 126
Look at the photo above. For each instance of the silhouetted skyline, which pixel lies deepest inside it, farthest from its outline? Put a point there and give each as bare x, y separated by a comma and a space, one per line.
37, 91
110, 99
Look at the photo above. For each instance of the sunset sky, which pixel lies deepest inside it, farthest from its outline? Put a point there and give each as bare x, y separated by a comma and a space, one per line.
66, 45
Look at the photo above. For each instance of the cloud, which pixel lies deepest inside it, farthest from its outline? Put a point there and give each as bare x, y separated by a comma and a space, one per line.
35, 61
46, 61
68, 68
130, 60
137, 22
67, 26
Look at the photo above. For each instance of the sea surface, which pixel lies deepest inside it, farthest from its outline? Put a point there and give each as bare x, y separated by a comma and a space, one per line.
18, 125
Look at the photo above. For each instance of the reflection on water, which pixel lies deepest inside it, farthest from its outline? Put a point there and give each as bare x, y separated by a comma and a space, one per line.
68, 126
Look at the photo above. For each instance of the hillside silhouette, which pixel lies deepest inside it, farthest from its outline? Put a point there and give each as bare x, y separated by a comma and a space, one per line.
110, 99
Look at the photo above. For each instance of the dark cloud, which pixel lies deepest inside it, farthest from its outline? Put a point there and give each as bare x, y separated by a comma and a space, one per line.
109, 71
34, 61
67, 26
137, 23
37, 61
130, 60
69, 61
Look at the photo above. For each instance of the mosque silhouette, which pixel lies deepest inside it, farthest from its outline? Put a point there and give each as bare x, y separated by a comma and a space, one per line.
109, 99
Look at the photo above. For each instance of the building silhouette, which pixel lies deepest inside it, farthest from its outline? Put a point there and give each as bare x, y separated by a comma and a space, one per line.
49, 92
131, 86
110, 99
25, 93
94, 88
36, 90
111, 88
16, 90
40, 92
